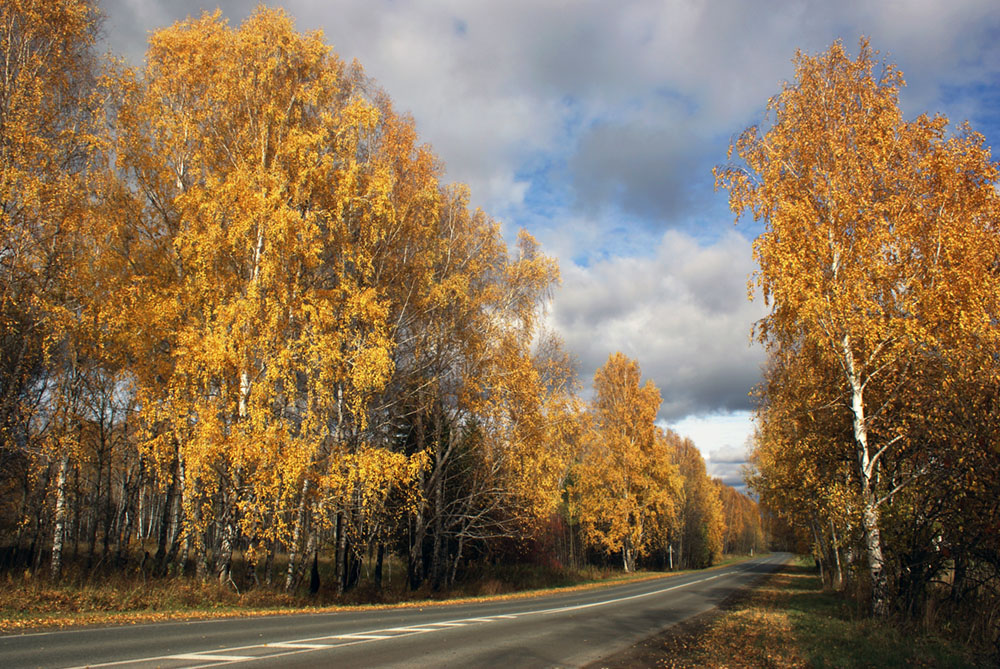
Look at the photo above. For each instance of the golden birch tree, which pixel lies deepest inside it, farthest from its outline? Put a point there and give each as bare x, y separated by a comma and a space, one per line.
50, 140
626, 484
699, 525
265, 196
879, 243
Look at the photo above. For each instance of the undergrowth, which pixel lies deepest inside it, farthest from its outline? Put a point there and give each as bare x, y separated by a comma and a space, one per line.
81, 597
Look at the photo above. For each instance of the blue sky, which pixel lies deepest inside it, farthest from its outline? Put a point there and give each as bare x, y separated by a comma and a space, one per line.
594, 125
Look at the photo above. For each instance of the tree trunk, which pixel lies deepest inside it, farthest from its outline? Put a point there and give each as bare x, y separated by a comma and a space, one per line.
176, 534
269, 563
311, 546
959, 578
415, 564
250, 564
680, 548
876, 562
628, 555
438, 558
224, 558
183, 526
352, 568
340, 555
820, 553
867, 469
379, 559
437, 555
314, 582
224, 561
293, 549
454, 565
164, 533
73, 529
200, 540
60, 517
95, 505
838, 578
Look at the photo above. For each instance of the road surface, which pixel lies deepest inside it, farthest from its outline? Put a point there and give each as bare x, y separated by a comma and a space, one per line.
562, 629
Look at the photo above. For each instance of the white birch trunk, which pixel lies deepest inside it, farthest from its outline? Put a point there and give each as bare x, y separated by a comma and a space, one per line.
60, 517
867, 468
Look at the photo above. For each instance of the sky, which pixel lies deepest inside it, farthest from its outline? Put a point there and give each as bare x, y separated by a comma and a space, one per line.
595, 126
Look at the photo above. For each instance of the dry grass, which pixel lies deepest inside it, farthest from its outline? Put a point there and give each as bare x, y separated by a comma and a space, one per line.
28, 603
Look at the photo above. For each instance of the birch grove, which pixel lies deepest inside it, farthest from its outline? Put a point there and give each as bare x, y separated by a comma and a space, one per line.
247, 330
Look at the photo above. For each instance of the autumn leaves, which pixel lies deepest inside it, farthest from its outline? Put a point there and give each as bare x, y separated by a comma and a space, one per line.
879, 263
244, 321
343, 331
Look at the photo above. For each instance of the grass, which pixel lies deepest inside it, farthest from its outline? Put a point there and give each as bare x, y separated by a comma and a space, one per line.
790, 621
29, 603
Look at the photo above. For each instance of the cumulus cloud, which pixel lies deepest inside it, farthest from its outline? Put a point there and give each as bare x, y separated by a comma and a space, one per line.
728, 465
488, 82
682, 312
723, 439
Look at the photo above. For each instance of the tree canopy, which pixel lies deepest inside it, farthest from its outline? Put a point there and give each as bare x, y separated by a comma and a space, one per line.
878, 262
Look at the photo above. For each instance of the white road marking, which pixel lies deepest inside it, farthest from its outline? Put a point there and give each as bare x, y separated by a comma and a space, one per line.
410, 629
362, 636
578, 607
208, 656
291, 644
446, 624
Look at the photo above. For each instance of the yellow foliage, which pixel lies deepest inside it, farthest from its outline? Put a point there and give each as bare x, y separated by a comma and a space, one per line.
625, 486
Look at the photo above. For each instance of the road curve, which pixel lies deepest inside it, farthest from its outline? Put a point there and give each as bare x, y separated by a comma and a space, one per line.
561, 629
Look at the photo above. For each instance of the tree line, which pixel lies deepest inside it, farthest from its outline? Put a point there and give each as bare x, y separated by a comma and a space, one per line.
880, 262
242, 315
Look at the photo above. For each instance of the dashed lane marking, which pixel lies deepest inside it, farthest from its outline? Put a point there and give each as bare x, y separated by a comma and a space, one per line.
306, 646
455, 624
209, 657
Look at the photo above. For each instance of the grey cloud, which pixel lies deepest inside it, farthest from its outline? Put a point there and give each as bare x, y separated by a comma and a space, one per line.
648, 171
129, 23
675, 312
489, 97
730, 473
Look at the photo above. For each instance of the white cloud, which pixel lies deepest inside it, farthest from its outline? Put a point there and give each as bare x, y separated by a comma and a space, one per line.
490, 95
722, 439
681, 311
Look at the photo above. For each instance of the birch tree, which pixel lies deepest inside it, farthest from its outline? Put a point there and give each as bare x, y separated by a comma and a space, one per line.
264, 197
626, 484
50, 141
879, 243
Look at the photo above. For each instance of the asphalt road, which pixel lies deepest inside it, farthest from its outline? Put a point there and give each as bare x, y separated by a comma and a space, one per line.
557, 630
